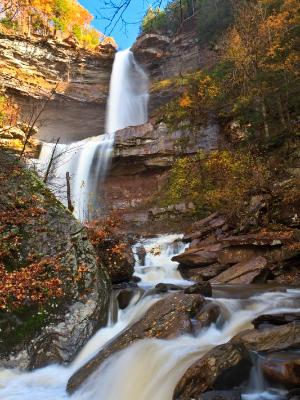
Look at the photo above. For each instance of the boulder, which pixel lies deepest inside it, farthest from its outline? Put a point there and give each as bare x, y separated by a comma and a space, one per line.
124, 296
267, 320
203, 288
141, 254
242, 273
220, 395
166, 319
288, 275
273, 338
204, 227
274, 254
200, 274
294, 394
165, 287
221, 368
199, 256
37, 228
262, 238
239, 254
283, 367
116, 256
207, 316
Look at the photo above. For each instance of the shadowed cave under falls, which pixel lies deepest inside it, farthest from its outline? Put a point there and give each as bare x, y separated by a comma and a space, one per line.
148, 369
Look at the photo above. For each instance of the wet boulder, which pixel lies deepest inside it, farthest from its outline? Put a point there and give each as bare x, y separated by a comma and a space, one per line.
273, 338
283, 368
199, 256
221, 368
124, 297
242, 273
166, 319
204, 273
267, 320
166, 287
209, 314
294, 394
203, 288
116, 256
220, 395
141, 254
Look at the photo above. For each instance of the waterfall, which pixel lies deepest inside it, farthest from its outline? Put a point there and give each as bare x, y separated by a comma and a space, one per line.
157, 266
148, 369
88, 160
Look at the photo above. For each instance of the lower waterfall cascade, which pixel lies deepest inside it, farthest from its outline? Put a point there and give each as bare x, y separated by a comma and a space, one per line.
149, 369
88, 160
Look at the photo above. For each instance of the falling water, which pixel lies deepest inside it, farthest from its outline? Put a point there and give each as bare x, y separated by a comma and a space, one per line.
157, 266
148, 369
88, 160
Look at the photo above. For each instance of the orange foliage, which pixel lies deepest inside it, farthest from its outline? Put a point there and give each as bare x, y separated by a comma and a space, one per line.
33, 285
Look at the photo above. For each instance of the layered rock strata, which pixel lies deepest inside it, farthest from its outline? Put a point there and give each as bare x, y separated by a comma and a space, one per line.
30, 69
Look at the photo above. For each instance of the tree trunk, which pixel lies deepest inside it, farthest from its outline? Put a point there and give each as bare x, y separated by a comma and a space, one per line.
50, 162
70, 205
281, 113
264, 114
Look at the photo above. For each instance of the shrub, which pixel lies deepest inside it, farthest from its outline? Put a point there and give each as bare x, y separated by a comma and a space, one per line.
9, 112
220, 180
34, 285
200, 93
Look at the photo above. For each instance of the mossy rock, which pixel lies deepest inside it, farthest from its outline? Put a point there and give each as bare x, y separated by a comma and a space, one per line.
35, 225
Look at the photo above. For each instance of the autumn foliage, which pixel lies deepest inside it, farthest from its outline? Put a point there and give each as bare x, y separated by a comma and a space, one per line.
255, 80
221, 180
9, 112
113, 250
103, 234
64, 18
30, 286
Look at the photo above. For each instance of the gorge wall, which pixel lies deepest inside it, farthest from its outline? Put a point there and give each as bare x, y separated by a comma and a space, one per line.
144, 155
31, 68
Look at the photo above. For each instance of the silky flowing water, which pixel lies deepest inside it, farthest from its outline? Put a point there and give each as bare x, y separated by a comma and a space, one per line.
88, 160
148, 369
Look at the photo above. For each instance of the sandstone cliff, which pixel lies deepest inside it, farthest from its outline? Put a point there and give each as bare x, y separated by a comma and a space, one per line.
31, 68
142, 159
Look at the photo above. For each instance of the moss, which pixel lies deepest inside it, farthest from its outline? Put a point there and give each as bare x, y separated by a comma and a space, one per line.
16, 330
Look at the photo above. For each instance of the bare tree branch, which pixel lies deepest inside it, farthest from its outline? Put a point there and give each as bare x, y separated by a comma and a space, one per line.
114, 12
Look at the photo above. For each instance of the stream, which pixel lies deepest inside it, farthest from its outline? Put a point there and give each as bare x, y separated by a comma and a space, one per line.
147, 369
150, 369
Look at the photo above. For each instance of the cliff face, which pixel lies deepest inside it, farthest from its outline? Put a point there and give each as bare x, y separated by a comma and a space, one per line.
166, 57
31, 68
40, 235
143, 157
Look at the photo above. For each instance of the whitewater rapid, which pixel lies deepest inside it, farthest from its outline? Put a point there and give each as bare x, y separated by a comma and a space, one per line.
148, 369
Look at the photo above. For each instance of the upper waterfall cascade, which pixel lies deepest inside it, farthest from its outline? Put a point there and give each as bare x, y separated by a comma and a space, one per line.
87, 161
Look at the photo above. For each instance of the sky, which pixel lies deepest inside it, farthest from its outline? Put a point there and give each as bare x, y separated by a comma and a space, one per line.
134, 14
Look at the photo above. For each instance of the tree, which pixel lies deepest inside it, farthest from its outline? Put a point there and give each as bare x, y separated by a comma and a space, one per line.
45, 16
261, 50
